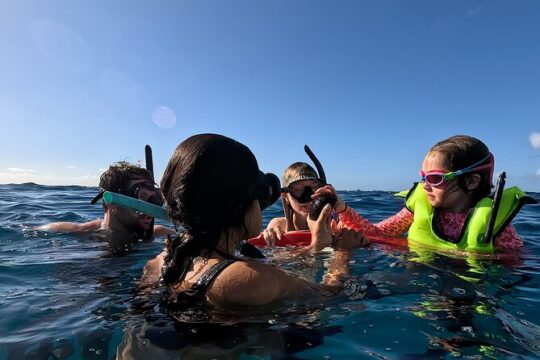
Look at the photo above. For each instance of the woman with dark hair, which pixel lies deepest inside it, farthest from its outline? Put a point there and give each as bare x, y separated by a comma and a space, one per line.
215, 192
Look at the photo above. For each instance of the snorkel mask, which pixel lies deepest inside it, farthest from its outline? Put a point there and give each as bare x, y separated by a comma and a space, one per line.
145, 191
304, 195
268, 189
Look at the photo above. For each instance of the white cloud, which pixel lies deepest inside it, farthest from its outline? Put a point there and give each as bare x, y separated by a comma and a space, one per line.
19, 170
534, 139
71, 167
538, 172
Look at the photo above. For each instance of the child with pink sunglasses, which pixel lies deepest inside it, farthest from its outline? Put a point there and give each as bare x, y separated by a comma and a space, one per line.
450, 208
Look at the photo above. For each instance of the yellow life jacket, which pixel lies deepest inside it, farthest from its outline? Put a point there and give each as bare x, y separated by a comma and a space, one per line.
423, 232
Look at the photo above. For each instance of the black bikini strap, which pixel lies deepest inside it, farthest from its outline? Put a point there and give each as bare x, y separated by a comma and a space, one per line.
202, 284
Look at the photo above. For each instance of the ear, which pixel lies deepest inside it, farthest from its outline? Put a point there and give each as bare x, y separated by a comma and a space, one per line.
473, 181
285, 198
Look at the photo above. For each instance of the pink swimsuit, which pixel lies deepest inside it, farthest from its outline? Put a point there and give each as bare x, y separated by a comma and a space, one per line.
451, 225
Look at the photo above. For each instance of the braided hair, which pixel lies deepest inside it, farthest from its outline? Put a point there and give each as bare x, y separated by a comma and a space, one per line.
209, 185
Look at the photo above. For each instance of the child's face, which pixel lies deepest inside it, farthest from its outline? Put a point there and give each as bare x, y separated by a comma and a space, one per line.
448, 195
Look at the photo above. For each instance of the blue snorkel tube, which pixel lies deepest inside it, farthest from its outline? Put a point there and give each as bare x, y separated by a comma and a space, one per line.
152, 210
135, 204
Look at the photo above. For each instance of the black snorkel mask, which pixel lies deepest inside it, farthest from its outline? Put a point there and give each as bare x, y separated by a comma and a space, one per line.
268, 189
305, 196
135, 191
267, 192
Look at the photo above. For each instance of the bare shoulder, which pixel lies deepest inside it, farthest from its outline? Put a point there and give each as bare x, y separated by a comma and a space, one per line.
152, 270
72, 226
160, 230
252, 283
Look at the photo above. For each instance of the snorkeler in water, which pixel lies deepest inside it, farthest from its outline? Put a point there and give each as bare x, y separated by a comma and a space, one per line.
216, 193
449, 208
123, 226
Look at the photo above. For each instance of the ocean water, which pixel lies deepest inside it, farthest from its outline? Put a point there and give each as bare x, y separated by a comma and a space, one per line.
67, 296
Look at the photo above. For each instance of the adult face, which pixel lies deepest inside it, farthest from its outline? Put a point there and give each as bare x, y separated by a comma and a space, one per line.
142, 189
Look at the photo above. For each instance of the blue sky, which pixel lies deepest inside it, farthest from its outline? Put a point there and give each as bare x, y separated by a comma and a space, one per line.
369, 85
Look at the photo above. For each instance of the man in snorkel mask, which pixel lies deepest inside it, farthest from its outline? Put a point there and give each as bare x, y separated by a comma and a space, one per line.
124, 226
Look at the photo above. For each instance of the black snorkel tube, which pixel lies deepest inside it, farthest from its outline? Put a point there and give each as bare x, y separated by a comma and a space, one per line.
149, 162
488, 236
320, 170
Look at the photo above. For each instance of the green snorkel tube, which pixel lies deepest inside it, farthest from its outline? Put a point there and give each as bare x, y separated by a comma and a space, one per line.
488, 236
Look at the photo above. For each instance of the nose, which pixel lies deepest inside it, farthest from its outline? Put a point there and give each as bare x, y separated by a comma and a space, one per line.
426, 186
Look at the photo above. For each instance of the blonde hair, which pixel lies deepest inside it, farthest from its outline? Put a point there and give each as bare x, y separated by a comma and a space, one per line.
297, 171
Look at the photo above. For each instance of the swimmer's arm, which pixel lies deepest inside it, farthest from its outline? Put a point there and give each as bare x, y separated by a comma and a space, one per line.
344, 242
279, 222
257, 284
160, 230
397, 224
275, 229
152, 271
71, 226
338, 269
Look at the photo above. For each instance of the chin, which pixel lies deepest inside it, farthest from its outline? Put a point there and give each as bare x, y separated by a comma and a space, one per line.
434, 202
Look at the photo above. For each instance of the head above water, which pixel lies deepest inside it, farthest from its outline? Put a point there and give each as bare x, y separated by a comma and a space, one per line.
210, 184
461, 152
127, 179
299, 171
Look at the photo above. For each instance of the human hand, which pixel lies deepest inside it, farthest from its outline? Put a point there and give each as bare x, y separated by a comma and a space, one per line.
328, 189
347, 239
272, 235
321, 235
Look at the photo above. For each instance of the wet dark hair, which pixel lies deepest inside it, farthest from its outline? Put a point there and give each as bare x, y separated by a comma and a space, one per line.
119, 174
117, 177
209, 185
461, 151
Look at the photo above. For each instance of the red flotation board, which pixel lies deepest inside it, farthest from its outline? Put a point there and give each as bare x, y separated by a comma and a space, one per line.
303, 238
